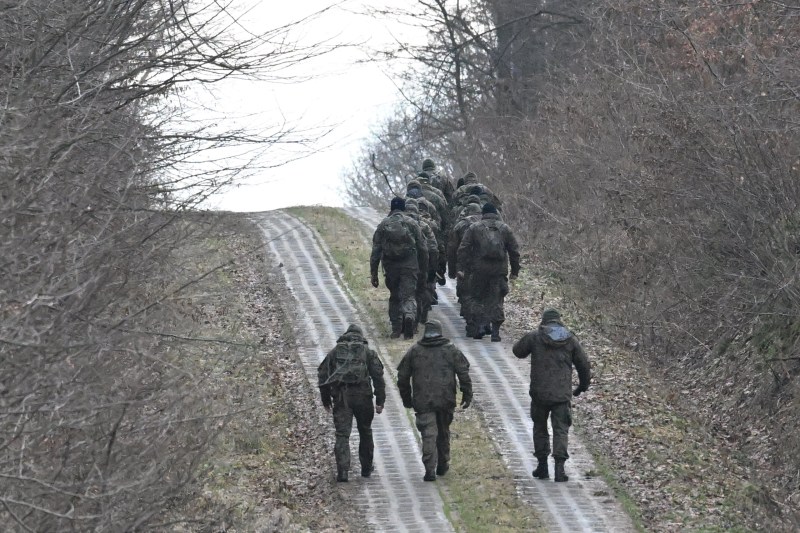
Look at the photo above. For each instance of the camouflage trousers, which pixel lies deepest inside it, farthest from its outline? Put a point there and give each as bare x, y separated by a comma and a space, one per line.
485, 300
345, 408
434, 428
560, 415
402, 285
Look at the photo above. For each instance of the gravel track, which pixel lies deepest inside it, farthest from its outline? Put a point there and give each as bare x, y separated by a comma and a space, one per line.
394, 498
501, 394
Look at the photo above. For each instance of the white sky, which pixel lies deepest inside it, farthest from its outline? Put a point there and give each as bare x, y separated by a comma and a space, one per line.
342, 94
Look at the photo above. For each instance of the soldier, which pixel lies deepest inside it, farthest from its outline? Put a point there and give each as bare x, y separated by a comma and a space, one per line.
345, 379
487, 248
470, 215
469, 187
424, 298
398, 244
435, 197
554, 350
426, 379
439, 181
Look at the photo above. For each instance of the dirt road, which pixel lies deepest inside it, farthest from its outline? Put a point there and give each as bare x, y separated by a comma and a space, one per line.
396, 498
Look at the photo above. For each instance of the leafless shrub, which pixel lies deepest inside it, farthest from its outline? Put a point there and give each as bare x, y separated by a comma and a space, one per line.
102, 421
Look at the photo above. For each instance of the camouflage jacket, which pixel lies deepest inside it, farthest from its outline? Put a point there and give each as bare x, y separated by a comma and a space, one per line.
328, 391
456, 235
470, 259
417, 260
426, 376
554, 351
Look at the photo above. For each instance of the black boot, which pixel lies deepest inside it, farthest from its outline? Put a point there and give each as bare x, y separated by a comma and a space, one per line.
408, 327
495, 332
480, 331
442, 468
542, 472
560, 474
430, 475
341, 475
366, 471
397, 329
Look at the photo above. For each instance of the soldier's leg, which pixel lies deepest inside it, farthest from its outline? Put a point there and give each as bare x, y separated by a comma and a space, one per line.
426, 424
343, 424
406, 290
495, 309
364, 412
395, 311
561, 418
443, 421
541, 436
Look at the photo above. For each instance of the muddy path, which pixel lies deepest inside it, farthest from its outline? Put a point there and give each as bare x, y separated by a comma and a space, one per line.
394, 498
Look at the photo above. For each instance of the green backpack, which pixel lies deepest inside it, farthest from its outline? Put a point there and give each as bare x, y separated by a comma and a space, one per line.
397, 240
350, 358
491, 242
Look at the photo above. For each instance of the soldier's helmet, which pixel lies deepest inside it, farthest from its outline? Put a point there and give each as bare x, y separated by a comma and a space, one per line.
428, 164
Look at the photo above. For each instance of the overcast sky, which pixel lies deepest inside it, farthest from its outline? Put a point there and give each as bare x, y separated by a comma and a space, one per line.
341, 94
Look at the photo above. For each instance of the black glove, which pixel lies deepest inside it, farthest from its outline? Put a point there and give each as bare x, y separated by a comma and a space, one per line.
465, 402
407, 403
577, 392
374, 281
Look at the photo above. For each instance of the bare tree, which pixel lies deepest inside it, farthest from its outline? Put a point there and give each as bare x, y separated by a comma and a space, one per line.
102, 421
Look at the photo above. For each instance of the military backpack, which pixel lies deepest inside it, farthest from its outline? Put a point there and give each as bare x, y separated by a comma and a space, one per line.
398, 242
490, 241
350, 358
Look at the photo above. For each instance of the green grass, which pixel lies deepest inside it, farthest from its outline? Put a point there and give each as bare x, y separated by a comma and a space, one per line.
478, 492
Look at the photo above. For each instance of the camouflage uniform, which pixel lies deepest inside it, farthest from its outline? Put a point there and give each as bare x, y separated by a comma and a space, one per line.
401, 275
488, 292
350, 401
426, 379
439, 181
470, 215
424, 298
554, 351
485, 193
437, 199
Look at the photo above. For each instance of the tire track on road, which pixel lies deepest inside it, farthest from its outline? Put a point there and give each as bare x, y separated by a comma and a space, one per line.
501, 394
392, 499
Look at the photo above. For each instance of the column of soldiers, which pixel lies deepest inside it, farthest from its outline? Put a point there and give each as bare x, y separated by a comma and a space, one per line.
439, 230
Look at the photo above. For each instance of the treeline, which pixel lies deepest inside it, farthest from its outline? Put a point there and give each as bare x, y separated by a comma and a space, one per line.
102, 418
650, 154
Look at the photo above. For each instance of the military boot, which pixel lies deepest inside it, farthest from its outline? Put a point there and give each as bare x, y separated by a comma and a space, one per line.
366, 471
341, 474
495, 332
560, 474
542, 471
408, 327
397, 329
480, 331
442, 468
430, 475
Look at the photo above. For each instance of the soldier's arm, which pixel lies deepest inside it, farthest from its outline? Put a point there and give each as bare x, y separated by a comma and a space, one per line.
464, 381
512, 248
404, 379
377, 252
375, 368
581, 362
323, 374
523, 347
422, 252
